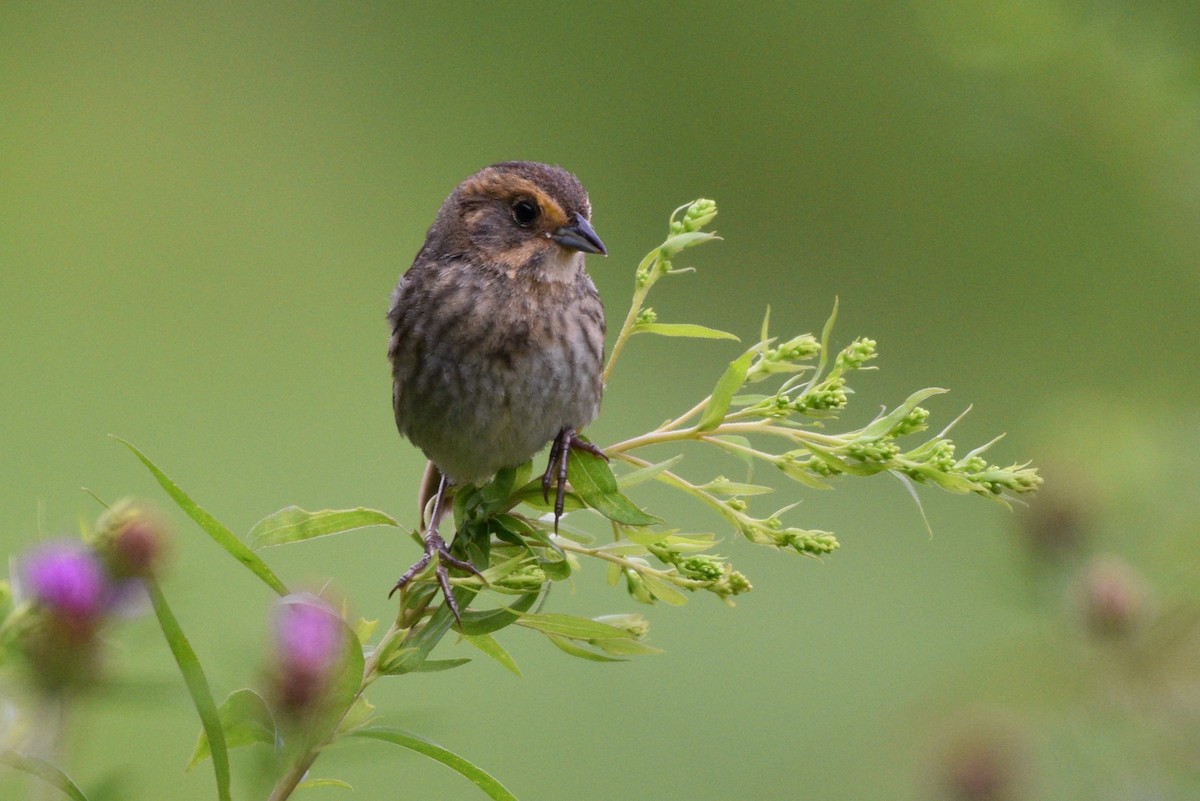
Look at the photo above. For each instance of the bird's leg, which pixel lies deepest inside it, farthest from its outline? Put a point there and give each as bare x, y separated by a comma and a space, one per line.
435, 545
560, 455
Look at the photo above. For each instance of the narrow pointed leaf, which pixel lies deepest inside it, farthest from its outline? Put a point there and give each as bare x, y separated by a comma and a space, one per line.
492, 647
575, 649
293, 524
438, 665
635, 477
481, 778
682, 330
886, 423
577, 628
324, 783
485, 621
223, 536
664, 590
44, 770
727, 386
593, 479
629, 647
197, 684
680, 241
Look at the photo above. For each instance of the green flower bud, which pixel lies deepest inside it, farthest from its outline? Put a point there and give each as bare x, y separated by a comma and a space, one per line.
647, 315
132, 540
738, 583
828, 395
812, 543
702, 566
916, 420
880, 450
858, 352
699, 214
529, 578
637, 587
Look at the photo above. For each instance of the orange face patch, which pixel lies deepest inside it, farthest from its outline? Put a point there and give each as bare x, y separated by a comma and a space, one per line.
510, 188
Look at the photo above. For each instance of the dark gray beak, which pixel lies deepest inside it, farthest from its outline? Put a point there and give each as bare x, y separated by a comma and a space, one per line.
579, 236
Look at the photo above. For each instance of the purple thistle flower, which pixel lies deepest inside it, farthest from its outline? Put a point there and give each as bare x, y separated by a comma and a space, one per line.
309, 647
64, 577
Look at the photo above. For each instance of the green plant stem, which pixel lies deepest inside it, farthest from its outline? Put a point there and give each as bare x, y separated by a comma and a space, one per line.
661, 435
649, 265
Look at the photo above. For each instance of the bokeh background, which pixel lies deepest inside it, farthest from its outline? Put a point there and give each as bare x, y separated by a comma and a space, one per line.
204, 207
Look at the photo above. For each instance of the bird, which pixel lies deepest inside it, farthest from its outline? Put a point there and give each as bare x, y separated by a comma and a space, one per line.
497, 340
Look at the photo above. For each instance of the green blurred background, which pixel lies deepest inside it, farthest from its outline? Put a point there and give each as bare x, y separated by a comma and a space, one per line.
203, 210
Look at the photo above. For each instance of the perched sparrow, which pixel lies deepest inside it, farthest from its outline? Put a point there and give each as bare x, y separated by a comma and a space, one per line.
497, 341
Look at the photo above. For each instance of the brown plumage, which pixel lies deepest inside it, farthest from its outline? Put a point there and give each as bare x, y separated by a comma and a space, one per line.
497, 343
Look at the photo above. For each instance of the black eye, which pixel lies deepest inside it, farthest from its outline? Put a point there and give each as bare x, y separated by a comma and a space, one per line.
525, 212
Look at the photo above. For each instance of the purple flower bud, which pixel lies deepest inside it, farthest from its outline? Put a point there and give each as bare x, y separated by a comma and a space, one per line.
65, 578
132, 539
309, 650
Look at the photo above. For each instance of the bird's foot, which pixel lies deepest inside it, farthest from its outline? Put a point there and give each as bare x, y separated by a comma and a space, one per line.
568, 439
436, 546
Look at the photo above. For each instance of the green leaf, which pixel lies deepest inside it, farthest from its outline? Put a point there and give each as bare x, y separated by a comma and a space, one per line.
416, 647
486, 621
197, 684
823, 359
361, 713
245, 719
531, 494
490, 646
363, 628
628, 647
45, 771
883, 425
438, 665
728, 385
682, 330
223, 536
324, 783
681, 241
723, 486
635, 477
293, 524
482, 779
575, 649
577, 628
593, 479
663, 590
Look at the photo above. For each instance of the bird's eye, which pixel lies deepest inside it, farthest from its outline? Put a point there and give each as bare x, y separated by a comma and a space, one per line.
524, 212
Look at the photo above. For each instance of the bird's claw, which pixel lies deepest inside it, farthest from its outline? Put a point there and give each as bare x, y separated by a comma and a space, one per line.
568, 439
436, 546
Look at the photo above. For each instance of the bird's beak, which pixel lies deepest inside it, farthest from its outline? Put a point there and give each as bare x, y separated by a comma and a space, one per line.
579, 236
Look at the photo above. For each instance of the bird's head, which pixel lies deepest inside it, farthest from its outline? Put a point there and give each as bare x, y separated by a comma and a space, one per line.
521, 217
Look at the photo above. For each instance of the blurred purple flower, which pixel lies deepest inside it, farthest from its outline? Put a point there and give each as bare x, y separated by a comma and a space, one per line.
66, 578
309, 647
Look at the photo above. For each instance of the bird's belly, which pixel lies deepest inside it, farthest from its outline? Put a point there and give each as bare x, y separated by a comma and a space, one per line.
475, 414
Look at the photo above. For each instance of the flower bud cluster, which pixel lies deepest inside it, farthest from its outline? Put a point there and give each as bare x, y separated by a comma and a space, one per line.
647, 316
914, 421
829, 395
856, 354
696, 215
701, 571
880, 450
